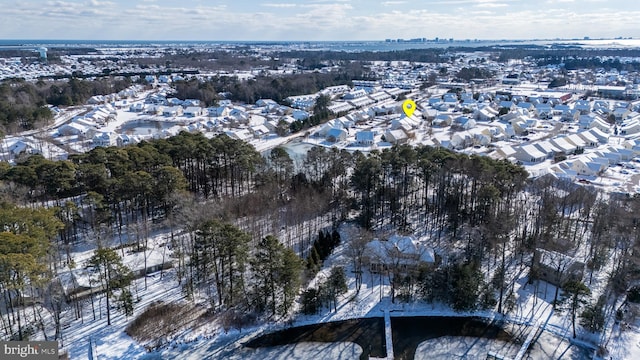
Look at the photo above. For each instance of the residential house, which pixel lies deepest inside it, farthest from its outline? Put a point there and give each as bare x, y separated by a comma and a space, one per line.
584, 166
560, 109
266, 103
442, 120
124, 139
571, 115
602, 136
613, 156
592, 121
602, 106
624, 153
191, 102
336, 135
465, 122
239, 134
505, 152
300, 115
529, 154
172, 111
584, 106
193, 111
238, 114
450, 99
137, 107
427, 114
365, 138
338, 107
621, 113
259, 131
76, 129
547, 148
396, 136
509, 105
23, 147
544, 111
556, 268
398, 254
565, 146
461, 140
219, 111
355, 94
104, 139
576, 140
630, 128
486, 113
589, 139
528, 107
154, 109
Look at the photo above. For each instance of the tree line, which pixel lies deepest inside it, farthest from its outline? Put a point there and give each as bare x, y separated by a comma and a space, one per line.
265, 86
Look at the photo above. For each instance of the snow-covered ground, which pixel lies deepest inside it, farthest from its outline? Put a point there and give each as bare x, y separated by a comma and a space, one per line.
209, 340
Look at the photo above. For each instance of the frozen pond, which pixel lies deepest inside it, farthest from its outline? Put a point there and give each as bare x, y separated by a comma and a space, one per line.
151, 127
461, 347
301, 351
423, 337
298, 150
416, 337
367, 334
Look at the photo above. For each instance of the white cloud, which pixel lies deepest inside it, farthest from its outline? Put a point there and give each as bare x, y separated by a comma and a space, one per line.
393, 3
490, 5
280, 5
101, 3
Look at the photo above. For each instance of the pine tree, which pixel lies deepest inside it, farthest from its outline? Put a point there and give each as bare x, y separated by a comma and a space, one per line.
290, 278
277, 275
335, 239
337, 284
309, 301
574, 296
112, 274
593, 317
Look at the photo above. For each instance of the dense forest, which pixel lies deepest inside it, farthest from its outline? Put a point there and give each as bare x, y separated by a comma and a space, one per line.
257, 226
277, 88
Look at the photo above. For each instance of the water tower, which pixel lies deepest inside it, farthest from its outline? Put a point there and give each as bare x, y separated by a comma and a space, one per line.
43, 53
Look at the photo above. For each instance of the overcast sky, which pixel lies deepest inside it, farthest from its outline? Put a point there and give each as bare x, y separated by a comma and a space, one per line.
317, 19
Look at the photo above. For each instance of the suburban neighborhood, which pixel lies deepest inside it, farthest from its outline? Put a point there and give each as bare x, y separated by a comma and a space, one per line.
274, 200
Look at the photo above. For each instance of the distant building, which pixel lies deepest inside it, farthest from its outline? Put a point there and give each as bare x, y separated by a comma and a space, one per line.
43, 53
612, 92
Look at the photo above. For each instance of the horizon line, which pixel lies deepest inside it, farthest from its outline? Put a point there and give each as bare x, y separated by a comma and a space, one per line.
440, 39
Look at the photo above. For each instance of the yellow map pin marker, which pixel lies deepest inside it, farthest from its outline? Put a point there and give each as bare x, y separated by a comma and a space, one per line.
409, 106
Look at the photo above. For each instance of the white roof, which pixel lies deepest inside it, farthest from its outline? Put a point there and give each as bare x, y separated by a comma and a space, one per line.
533, 151
401, 245
576, 140
563, 144
547, 147
588, 136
